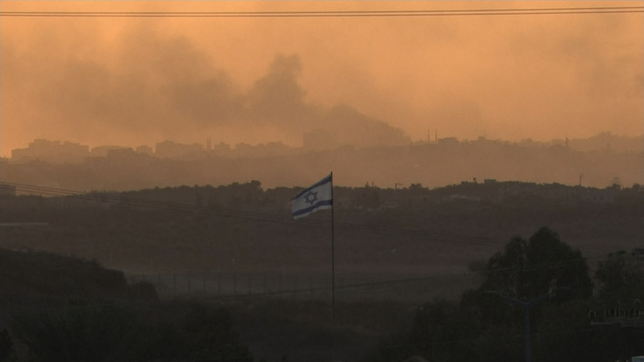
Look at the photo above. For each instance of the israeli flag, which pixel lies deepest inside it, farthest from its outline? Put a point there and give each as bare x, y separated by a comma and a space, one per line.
319, 196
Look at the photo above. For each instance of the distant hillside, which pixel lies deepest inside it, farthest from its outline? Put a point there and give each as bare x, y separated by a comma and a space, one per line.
245, 226
56, 308
32, 277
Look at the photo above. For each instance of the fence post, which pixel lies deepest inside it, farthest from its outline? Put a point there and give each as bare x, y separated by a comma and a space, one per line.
295, 285
265, 283
326, 285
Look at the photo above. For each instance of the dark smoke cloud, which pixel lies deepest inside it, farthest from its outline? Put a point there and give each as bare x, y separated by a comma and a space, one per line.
140, 81
167, 88
278, 98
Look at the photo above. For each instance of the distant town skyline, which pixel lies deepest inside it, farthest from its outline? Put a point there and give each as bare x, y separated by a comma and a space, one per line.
134, 80
597, 161
311, 142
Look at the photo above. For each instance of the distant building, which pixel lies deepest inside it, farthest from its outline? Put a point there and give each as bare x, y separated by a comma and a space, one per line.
146, 150
101, 151
173, 150
221, 149
271, 149
128, 159
448, 141
121, 155
51, 151
624, 315
597, 196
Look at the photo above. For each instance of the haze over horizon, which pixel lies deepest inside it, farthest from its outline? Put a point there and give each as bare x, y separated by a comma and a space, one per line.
133, 81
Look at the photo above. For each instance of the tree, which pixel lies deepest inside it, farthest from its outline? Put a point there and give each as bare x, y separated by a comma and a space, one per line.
164, 331
6, 347
79, 333
620, 280
484, 327
527, 270
442, 332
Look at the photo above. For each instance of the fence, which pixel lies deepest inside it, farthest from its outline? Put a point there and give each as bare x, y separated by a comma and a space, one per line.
304, 285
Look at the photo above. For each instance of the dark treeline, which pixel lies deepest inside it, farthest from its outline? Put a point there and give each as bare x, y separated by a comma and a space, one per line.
465, 235
241, 221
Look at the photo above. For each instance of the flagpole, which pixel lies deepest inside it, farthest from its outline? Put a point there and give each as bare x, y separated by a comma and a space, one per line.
319, 196
332, 267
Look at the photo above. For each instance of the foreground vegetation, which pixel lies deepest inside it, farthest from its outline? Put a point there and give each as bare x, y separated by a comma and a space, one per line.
65, 309
56, 308
568, 323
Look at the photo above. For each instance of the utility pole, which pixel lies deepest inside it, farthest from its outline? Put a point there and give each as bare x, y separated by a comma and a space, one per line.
526, 306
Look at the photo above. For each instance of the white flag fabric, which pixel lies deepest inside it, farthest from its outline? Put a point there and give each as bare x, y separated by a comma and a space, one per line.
319, 196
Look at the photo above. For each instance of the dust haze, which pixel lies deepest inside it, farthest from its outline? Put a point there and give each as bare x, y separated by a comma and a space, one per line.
149, 165
367, 81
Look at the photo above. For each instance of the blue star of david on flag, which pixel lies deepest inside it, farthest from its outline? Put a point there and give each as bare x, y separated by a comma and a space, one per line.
319, 196
311, 197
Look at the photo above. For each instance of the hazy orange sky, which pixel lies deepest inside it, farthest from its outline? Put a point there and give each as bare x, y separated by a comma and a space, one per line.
133, 81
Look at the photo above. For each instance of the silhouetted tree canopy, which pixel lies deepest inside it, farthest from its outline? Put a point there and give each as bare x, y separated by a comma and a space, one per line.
619, 281
527, 270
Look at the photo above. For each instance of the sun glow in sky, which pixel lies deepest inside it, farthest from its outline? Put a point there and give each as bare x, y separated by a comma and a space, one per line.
132, 81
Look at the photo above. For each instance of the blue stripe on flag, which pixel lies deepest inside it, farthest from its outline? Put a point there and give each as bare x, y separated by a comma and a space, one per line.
309, 210
319, 183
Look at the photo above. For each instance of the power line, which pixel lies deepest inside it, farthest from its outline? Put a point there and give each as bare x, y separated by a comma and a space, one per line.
326, 14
